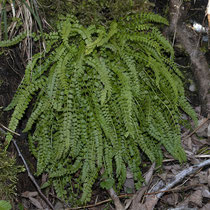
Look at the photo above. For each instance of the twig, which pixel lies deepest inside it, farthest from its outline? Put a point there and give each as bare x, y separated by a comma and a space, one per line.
28, 170
196, 156
206, 120
186, 172
175, 189
129, 195
113, 195
31, 176
9, 130
99, 203
202, 156
116, 199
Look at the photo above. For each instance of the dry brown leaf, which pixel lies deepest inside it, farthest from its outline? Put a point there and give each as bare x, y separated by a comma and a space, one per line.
194, 181
170, 199
138, 196
163, 176
208, 130
150, 203
59, 206
129, 174
206, 207
44, 178
205, 192
203, 178
202, 131
36, 203
187, 143
184, 204
196, 198
168, 167
149, 174
28, 194
129, 185
194, 161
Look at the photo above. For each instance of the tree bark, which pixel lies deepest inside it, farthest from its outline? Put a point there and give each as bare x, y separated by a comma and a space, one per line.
190, 42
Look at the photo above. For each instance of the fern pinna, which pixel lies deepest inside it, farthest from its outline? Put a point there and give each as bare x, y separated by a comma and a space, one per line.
103, 95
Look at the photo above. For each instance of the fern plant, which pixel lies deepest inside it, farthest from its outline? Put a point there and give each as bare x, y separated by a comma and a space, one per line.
102, 95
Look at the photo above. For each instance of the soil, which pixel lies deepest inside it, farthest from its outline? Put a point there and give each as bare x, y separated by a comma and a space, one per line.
11, 73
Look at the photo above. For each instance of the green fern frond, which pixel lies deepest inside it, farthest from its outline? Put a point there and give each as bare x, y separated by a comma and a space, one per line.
14, 41
30, 67
102, 96
185, 106
100, 66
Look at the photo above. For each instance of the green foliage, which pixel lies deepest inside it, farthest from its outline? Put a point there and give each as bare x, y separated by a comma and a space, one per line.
5, 205
92, 11
107, 184
103, 95
8, 176
15, 40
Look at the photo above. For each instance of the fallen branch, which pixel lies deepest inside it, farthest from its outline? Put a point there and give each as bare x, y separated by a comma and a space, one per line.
177, 189
152, 199
116, 199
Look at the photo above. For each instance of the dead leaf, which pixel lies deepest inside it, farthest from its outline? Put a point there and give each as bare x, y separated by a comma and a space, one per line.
202, 131
44, 178
206, 207
167, 167
187, 143
205, 192
135, 200
129, 174
163, 176
196, 198
170, 199
36, 203
149, 174
150, 203
59, 206
129, 186
203, 178
28, 194
194, 181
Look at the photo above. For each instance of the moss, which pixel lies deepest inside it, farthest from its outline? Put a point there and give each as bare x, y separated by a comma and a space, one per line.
8, 175
91, 11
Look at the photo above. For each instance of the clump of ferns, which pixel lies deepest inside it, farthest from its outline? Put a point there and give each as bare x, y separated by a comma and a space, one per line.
103, 94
